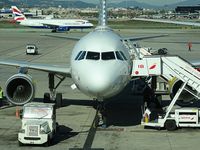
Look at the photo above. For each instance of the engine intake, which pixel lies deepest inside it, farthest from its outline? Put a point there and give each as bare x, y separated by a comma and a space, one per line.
20, 89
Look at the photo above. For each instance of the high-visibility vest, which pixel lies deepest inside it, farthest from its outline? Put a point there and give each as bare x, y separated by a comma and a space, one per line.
1, 94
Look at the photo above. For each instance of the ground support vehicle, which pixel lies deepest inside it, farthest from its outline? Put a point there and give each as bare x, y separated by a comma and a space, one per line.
172, 119
160, 51
186, 81
38, 123
31, 49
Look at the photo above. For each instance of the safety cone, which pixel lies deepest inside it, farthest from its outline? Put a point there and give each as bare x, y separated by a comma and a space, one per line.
17, 113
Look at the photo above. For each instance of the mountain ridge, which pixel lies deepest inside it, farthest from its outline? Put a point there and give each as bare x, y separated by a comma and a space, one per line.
83, 4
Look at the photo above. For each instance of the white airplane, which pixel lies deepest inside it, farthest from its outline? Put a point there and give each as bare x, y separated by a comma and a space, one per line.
54, 24
169, 21
100, 67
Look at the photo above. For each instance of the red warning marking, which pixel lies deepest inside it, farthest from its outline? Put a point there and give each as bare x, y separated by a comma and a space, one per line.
198, 69
153, 66
141, 66
136, 72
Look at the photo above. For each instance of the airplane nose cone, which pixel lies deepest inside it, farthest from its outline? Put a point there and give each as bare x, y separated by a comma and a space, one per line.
99, 83
91, 24
100, 79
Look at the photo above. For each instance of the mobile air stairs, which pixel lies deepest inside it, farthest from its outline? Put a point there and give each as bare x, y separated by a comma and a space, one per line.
170, 67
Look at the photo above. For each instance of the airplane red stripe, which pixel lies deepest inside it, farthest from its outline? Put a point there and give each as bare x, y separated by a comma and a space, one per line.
15, 10
19, 19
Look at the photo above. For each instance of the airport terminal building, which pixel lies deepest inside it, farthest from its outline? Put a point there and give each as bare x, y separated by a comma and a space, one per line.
187, 9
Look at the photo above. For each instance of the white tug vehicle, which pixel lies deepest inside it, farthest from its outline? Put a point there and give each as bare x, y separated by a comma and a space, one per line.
38, 124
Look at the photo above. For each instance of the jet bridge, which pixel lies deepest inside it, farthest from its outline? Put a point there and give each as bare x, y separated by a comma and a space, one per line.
170, 67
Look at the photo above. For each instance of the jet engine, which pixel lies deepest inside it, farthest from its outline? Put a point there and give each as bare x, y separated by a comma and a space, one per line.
185, 98
20, 89
63, 29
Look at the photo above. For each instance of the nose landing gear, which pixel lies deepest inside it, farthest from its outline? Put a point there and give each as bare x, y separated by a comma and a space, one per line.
101, 109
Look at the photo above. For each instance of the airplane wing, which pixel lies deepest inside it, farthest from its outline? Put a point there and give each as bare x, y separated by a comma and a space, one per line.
52, 25
176, 42
169, 21
143, 38
57, 69
63, 37
123, 38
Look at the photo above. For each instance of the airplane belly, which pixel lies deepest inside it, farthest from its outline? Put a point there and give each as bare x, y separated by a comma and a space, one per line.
111, 90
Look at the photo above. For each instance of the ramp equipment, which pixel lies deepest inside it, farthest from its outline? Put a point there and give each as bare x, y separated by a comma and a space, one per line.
135, 51
170, 67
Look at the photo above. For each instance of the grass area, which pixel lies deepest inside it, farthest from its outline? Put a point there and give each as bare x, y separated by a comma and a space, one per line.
9, 24
119, 24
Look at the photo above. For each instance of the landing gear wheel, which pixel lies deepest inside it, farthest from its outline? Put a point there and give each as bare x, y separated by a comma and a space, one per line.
170, 125
48, 143
53, 31
102, 114
20, 143
161, 52
59, 100
57, 127
104, 119
46, 98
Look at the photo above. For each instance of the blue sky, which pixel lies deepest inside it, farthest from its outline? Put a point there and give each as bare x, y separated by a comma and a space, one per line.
154, 2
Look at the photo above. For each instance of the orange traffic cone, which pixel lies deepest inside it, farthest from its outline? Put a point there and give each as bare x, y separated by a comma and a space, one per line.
17, 112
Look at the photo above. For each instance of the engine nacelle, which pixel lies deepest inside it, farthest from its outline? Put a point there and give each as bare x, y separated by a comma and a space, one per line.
63, 29
20, 89
185, 98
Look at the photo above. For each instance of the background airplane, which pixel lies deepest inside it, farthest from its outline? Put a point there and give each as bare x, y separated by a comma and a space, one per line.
54, 24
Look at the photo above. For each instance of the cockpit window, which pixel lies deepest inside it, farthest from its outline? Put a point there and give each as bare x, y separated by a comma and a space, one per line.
107, 55
93, 55
82, 56
119, 56
123, 55
78, 55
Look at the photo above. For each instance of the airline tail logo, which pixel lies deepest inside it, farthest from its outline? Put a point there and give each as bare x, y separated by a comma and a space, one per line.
18, 14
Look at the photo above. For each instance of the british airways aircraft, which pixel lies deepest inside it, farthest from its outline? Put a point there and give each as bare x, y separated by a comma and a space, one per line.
54, 24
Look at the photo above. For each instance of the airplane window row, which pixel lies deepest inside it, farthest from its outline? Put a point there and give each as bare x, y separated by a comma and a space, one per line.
104, 55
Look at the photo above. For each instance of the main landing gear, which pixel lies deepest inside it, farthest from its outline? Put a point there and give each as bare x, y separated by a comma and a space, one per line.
53, 30
52, 96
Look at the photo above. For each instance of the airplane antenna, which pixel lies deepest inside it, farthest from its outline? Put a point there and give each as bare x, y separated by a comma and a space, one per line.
103, 13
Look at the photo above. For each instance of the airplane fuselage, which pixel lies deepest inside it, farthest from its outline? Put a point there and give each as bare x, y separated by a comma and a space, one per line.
101, 64
46, 23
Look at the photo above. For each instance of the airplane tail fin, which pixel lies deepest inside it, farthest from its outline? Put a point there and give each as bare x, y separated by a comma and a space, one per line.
103, 13
18, 16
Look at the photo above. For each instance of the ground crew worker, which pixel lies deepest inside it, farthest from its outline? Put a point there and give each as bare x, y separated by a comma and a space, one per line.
1, 97
189, 46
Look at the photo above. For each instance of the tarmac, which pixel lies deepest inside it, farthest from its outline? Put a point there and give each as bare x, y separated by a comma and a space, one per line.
76, 118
